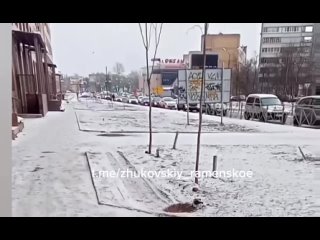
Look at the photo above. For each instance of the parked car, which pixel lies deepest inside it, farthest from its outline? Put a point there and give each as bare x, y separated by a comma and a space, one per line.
168, 102
156, 101
217, 109
307, 111
238, 98
265, 107
125, 99
133, 99
140, 99
86, 95
108, 97
118, 99
145, 101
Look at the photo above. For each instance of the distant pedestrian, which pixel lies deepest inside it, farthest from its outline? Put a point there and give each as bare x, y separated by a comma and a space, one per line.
113, 97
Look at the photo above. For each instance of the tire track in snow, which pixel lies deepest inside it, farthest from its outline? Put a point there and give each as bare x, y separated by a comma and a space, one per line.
133, 193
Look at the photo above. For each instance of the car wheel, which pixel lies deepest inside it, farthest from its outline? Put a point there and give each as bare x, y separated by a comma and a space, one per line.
246, 116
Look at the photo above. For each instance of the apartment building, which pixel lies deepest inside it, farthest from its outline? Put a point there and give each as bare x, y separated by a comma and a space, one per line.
34, 84
288, 56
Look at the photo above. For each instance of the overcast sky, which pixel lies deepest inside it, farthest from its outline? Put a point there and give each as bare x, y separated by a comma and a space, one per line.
84, 48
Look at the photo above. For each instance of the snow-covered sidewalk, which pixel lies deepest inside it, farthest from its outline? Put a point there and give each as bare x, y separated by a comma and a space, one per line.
51, 175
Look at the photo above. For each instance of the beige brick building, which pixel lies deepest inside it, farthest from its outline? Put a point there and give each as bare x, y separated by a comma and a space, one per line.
227, 46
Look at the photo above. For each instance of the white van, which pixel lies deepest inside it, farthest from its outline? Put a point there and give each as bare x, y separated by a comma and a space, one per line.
265, 107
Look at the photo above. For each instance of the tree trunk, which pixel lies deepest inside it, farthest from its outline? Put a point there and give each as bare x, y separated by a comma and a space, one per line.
200, 110
149, 89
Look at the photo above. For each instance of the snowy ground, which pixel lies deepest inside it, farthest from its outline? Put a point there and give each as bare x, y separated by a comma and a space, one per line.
52, 156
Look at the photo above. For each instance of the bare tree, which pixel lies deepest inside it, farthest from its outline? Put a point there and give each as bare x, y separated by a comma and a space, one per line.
146, 39
201, 96
133, 77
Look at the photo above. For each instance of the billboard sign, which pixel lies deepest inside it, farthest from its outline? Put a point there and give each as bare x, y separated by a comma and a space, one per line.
168, 78
189, 85
197, 61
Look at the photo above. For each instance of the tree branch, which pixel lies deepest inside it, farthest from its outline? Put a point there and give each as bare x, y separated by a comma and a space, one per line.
156, 47
151, 24
144, 44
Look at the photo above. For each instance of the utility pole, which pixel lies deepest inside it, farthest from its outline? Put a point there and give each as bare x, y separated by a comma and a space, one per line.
107, 80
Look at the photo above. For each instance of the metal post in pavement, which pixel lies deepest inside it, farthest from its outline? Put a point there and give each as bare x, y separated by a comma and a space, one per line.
221, 113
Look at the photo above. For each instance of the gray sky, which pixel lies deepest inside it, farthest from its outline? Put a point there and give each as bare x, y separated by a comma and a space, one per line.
84, 48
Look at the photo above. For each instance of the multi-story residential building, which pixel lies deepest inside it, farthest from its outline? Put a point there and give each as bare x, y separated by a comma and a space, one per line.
288, 57
34, 85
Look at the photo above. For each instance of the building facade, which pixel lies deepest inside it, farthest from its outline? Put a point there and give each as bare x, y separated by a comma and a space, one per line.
34, 87
163, 79
289, 56
228, 47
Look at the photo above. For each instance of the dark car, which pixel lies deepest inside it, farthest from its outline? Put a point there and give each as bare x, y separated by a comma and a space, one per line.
145, 101
156, 101
238, 98
307, 111
108, 97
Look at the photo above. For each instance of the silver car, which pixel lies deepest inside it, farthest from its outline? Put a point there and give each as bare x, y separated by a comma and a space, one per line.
307, 111
168, 102
265, 107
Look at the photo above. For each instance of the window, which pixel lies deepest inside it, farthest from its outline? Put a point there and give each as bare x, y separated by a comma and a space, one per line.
307, 39
270, 60
250, 100
270, 101
290, 29
316, 102
271, 50
270, 29
271, 40
308, 29
305, 101
257, 101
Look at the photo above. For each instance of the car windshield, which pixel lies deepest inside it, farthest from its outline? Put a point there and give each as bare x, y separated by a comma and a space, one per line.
132, 97
146, 99
270, 101
168, 99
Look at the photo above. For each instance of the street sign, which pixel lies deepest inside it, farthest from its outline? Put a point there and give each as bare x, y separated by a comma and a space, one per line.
192, 79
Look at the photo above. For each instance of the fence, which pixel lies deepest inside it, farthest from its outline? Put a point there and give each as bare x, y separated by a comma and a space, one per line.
289, 114
306, 116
